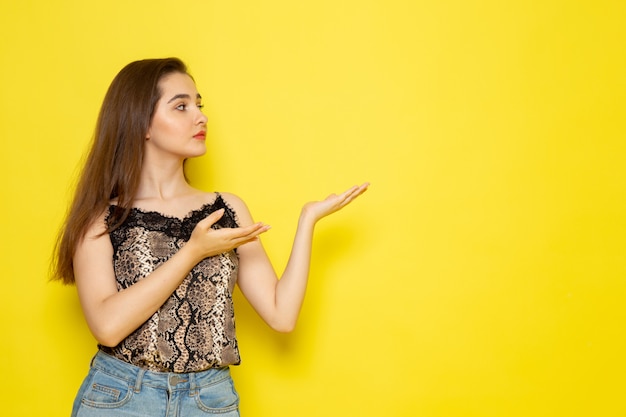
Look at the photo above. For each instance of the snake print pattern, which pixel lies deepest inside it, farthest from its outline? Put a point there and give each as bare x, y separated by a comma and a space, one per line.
195, 328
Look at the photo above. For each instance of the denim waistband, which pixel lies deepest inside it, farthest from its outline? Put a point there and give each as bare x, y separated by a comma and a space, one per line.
172, 381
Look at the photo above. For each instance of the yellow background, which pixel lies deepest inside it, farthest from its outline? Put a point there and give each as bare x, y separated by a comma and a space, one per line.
483, 274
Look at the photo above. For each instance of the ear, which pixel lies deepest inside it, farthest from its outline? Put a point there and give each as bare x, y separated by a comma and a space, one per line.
148, 135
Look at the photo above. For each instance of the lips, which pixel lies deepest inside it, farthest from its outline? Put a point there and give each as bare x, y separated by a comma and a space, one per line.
200, 135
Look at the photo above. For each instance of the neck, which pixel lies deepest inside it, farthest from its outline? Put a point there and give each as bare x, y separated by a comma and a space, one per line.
162, 181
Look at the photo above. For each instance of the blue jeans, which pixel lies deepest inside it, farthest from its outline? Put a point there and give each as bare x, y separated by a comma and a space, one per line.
116, 388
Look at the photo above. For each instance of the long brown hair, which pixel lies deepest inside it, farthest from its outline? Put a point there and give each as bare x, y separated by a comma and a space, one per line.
114, 161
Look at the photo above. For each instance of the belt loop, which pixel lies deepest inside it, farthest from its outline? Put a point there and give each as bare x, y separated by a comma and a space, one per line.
192, 383
139, 380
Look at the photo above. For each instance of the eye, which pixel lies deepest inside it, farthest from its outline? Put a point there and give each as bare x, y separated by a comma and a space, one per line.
181, 107
200, 106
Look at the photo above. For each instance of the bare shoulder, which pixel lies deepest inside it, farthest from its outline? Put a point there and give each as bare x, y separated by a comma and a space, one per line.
239, 206
232, 199
98, 226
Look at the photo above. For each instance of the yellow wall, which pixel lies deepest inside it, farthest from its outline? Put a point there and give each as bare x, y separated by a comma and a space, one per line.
482, 275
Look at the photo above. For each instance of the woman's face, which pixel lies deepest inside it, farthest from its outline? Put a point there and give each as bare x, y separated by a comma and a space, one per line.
178, 127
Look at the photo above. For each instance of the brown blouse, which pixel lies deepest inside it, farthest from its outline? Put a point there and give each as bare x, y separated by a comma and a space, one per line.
195, 329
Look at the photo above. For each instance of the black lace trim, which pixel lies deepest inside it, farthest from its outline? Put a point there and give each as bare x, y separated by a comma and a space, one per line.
170, 225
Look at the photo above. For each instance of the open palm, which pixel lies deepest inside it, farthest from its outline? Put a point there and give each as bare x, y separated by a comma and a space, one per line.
334, 202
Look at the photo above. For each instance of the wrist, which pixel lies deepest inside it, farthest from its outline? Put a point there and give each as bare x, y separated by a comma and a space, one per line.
307, 218
192, 253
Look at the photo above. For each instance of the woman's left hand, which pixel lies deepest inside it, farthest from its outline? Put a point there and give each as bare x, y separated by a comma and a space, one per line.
317, 210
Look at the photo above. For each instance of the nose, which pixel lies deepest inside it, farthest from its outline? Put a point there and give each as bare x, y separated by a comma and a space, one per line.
201, 118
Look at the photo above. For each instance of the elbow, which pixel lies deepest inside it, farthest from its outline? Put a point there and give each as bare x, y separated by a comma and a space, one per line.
106, 336
283, 326
283, 329
108, 341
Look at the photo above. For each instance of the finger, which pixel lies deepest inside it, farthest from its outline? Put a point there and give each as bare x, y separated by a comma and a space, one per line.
249, 234
360, 190
353, 193
211, 219
249, 231
355, 190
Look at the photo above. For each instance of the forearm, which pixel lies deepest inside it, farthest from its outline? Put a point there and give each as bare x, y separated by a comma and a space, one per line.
278, 301
123, 312
291, 288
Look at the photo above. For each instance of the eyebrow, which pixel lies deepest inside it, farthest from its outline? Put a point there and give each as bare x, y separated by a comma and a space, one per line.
187, 96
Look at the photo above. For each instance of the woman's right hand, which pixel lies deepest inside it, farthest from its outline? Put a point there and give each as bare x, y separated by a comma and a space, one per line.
206, 241
112, 314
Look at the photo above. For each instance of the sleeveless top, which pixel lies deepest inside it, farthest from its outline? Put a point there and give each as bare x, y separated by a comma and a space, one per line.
195, 329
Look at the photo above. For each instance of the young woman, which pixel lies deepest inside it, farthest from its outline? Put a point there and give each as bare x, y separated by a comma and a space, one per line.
155, 260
